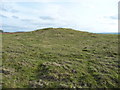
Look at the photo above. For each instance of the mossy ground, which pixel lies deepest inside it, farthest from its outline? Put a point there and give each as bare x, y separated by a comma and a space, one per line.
60, 58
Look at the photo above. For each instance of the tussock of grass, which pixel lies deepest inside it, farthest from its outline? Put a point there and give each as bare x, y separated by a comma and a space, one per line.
60, 58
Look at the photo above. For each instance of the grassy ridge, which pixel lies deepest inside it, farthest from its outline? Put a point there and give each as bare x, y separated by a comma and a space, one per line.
59, 57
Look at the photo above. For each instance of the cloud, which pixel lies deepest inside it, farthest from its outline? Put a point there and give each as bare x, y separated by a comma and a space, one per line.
59, 13
46, 18
16, 17
26, 20
41, 0
3, 9
6, 7
14, 28
3, 16
114, 17
13, 11
47, 24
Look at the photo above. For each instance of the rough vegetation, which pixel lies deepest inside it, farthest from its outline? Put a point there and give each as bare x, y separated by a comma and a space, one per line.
60, 58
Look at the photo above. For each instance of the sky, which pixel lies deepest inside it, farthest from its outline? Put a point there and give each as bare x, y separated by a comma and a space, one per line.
85, 15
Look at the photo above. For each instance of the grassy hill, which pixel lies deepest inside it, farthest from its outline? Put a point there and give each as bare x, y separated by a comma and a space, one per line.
60, 58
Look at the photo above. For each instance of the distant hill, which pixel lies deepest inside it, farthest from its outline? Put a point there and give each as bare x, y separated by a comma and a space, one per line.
1, 31
60, 58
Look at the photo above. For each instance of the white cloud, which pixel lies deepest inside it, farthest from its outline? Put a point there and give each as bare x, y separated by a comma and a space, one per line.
41, 0
88, 15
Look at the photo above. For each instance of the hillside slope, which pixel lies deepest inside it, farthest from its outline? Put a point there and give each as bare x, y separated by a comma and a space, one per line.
60, 58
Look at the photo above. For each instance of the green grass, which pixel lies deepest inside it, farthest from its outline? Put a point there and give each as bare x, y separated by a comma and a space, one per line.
60, 58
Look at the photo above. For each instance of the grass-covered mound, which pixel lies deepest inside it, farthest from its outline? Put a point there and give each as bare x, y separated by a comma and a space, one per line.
60, 58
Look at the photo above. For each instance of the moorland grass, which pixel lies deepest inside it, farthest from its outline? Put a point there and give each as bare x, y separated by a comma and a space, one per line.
59, 58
